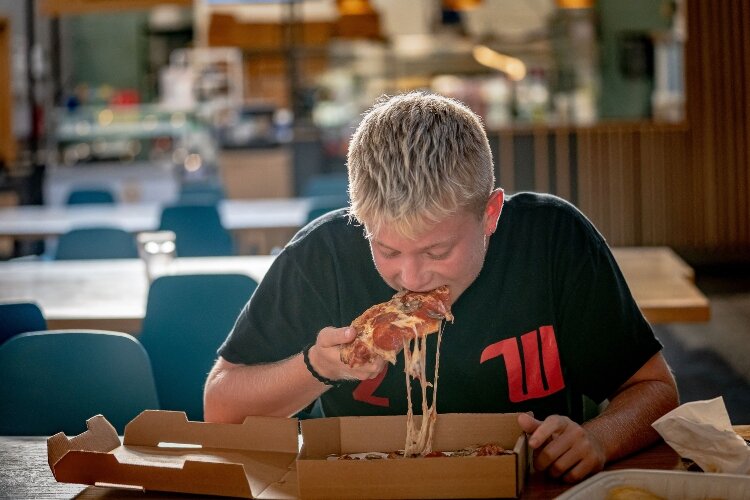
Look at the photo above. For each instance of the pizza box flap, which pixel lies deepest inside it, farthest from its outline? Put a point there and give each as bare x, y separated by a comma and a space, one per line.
152, 427
163, 451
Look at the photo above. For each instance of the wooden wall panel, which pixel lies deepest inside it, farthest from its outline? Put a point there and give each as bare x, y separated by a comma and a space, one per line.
718, 84
506, 171
687, 185
562, 173
632, 180
541, 160
743, 65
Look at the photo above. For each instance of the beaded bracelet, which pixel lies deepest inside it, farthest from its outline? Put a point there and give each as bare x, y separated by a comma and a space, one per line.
314, 373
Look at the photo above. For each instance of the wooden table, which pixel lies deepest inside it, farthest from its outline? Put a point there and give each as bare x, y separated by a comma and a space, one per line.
24, 473
662, 284
258, 223
111, 294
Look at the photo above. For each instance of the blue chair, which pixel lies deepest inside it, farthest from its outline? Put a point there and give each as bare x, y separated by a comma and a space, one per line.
89, 196
198, 230
187, 319
320, 205
20, 317
96, 243
327, 184
52, 381
201, 193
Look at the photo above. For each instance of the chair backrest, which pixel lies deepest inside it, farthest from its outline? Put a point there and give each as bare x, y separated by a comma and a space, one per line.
96, 243
20, 317
54, 380
201, 193
320, 205
88, 196
187, 319
326, 184
198, 230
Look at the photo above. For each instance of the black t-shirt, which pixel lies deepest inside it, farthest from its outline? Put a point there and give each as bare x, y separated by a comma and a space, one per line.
549, 317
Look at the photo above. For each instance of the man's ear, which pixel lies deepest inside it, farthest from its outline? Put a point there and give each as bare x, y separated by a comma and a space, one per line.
492, 211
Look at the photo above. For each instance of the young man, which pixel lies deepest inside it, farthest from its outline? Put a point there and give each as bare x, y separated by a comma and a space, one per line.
542, 313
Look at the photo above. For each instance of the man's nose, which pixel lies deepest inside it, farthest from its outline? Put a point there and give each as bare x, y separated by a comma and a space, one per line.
413, 276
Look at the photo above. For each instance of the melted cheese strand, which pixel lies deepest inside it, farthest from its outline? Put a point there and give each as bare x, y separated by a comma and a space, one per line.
410, 431
419, 441
433, 408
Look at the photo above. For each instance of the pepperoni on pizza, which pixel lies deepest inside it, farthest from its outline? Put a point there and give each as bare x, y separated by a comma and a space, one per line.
382, 329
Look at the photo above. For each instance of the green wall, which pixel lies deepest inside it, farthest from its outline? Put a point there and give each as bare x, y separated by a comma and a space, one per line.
108, 49
625, 96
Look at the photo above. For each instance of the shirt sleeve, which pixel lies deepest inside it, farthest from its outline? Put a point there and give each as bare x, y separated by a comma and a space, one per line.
285, 313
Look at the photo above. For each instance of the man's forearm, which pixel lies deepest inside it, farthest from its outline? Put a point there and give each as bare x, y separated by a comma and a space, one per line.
275, 389
625, 425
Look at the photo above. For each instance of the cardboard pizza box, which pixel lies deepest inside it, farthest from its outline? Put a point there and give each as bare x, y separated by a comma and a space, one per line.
443, 477
163, 451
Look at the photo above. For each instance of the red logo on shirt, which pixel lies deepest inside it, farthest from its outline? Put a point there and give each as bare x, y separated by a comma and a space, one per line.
537, 367
540, 371
365, 390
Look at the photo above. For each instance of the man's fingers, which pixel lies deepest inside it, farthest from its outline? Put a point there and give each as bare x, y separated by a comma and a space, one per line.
552, 426
329, 336
556, 453
369, 370
528, 423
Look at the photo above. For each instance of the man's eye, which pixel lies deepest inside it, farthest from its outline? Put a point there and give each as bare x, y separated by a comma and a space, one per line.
389, 255
438, 256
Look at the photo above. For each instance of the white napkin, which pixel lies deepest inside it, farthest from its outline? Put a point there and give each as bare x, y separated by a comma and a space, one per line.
701, 431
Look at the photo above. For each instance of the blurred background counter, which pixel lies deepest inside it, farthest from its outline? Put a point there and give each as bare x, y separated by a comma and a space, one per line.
624, 108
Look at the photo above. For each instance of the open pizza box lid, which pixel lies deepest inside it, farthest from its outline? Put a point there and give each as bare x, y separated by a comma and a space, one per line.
447, 477
163, 451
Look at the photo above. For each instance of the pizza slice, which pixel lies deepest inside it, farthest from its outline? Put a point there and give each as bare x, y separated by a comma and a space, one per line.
383, 328
402, 324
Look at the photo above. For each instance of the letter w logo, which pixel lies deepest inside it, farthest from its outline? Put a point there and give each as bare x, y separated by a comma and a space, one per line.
528, 382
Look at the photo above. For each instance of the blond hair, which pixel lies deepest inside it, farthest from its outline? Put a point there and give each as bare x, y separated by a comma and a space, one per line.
416, 159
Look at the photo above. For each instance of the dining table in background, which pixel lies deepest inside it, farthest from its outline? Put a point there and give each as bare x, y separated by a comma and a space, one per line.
259, 224
104, 294
111, 294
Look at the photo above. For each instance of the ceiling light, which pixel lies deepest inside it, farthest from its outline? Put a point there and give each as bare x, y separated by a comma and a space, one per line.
511, 66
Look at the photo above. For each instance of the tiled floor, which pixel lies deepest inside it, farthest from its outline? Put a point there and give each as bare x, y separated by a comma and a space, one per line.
713, 359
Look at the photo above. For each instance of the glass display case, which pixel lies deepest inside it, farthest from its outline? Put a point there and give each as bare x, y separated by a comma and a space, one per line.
139, 152
91, 134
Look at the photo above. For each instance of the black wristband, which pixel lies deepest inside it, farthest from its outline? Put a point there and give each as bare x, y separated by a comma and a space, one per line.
314, 373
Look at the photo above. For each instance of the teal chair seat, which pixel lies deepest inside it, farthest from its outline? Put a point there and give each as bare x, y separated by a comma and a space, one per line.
187, 319
20, 317
54, 380
96, 243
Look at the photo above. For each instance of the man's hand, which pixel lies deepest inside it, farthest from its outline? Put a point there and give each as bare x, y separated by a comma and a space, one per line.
325, 357
562, 447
